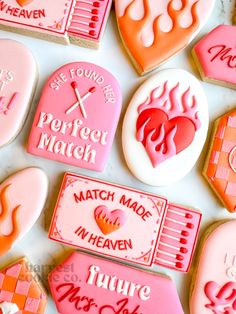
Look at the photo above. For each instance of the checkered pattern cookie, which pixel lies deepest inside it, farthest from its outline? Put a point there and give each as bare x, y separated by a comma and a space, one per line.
19, 285
220, 168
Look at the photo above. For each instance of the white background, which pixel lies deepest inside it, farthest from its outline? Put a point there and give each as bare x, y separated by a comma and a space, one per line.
192, 191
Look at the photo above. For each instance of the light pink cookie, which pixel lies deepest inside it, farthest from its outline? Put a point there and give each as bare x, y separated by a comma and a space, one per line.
77, 116
18, 74
112, 220
22, 197
63, 21
83, 283
214, 285
215, 56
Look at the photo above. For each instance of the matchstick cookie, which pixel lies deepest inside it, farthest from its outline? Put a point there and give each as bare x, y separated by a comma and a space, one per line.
77, 116
22, 197
18, 76
111, 220
165, 127
63, 21
97, 286
20, 290
220, 165
153, 31
214, 282
215, 56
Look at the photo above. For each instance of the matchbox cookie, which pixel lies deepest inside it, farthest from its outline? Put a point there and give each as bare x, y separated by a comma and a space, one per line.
220, 165
77, 116
214, 283
165, 127
63, 21
97, 286
111, 220
215, 56
20, 290
18, 76
153, 31
20, 209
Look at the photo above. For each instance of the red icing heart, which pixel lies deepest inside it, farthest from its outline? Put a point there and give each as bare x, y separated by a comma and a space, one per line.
109, 221
177, 134
23, 3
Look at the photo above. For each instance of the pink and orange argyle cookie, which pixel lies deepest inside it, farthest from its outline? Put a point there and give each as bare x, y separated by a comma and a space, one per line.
20, 287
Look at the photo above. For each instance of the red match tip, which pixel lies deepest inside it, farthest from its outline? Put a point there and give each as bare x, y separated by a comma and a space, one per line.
183, 250
74, 84
189, 216
92, 33
96, 4
179, 257
184, 233
95, 11
92, 90
179, 265
95, 18
183, 241
190, 226
92, 25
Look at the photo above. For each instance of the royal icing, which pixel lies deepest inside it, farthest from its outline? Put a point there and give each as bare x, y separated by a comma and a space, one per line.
77, 116
165, 127
154, 31
215, 56
83, 283
111, 220
20, 290
18, 72
220, 166
20, 209
215, 282
79, 22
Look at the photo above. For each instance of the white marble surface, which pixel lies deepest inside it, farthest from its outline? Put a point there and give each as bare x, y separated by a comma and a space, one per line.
192, 190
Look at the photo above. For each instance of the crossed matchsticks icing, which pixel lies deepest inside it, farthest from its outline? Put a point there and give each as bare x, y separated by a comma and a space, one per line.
80, 100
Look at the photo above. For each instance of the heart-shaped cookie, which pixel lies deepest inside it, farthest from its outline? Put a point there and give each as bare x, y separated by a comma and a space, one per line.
153, 31
18, 73
20, 209
109, 221
165, 127
23, 3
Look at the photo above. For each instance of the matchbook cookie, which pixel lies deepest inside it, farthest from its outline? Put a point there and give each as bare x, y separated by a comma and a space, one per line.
18, 74
165, 127
215, 56
77, 116
63, 21
20, 290
214, 285
22, 197
111, 220
220, 165
83, 283
153, 31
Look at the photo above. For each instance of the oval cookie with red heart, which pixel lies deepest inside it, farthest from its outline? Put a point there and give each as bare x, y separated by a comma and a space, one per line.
165, 127
18, 75
153, 31
22, 198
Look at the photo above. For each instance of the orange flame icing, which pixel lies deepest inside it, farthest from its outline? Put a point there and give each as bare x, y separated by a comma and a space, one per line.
165, 44
6, 241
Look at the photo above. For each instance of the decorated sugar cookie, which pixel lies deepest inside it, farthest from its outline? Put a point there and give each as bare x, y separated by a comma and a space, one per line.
165, 127
18, 73
220, 165
20, 290
153, 31
63, 21
22, 197
111, 220
215, 56
77, 116
213, 286
83, 283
